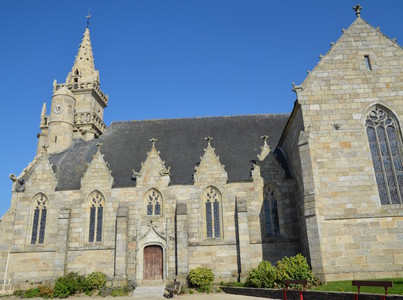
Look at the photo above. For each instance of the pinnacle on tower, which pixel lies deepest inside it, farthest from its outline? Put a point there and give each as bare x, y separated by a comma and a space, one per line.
83, 70
43, 112
44, 117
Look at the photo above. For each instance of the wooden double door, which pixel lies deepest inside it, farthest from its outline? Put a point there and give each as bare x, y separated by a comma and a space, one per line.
153, 263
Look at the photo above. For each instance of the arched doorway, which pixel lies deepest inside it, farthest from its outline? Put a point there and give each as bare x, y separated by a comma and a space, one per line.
153, 263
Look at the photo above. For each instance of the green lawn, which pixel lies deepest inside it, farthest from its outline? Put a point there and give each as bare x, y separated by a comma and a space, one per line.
345, 286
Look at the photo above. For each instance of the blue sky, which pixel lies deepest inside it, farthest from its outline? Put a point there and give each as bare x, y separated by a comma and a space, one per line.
166, 58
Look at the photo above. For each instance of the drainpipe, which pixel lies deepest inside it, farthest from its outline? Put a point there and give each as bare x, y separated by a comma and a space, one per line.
5, 272
166, 250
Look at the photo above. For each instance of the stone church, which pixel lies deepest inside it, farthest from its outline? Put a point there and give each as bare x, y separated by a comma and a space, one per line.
151, 200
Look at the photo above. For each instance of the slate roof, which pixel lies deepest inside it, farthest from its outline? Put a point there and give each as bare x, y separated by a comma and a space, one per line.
181, 142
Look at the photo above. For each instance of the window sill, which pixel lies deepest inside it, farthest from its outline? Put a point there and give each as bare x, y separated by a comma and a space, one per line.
91, 247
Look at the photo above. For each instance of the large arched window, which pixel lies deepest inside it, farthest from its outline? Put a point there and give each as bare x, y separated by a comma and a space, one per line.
39, 222
97, 203
270, 211
385, 144
154, 201
212, 200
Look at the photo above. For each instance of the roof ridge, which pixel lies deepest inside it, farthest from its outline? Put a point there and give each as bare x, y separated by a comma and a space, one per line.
199, 117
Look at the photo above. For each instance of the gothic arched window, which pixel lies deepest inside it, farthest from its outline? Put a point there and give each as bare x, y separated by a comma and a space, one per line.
385, 144
97, 203
270, 212
212, 200
39, 222
154, 201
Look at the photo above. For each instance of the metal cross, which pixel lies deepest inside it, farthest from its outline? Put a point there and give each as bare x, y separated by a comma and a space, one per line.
357, 9
88, 18
208, 139
153, 140
265, 137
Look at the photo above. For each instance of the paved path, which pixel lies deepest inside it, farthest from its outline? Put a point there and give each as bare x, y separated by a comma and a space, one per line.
218, 296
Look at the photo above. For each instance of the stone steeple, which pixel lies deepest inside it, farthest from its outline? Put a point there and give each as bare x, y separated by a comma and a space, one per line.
84, 68
83, 82
77, 107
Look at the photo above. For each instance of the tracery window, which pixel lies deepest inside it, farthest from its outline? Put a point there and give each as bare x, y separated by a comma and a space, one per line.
97, 203
385, 145
212, 199
39, 222
270, 212
154, 199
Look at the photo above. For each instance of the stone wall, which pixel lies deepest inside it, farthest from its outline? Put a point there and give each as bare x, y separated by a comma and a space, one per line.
290, 145
6, 235
180, 229
335, 99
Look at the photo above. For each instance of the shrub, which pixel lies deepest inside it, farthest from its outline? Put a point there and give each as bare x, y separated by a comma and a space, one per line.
201, 278
295, 267
32, 293
45, 291
95, 280
67, 285
73, 282
263, 276
61, 290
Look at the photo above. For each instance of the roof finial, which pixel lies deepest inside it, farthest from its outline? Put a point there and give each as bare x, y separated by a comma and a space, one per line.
357, 9
153, 141
88, 18
208, 139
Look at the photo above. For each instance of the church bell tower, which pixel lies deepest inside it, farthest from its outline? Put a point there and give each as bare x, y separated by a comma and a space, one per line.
77, 105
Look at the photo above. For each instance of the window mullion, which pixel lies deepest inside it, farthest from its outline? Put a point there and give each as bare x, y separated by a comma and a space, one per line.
382, 164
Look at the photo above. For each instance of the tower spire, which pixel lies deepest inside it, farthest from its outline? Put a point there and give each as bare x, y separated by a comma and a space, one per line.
83, 70
85, 113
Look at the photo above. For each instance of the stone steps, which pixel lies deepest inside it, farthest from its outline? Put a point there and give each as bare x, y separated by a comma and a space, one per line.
155, 290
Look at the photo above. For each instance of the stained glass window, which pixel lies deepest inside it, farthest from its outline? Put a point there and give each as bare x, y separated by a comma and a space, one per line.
385, 147
212, 199
153, 198
97, 203
92, 224
99, 223
270, 212
209, 221
39, 221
